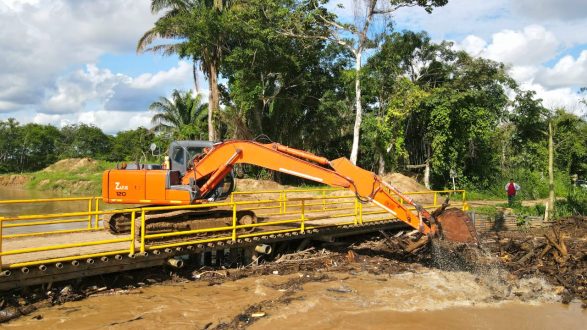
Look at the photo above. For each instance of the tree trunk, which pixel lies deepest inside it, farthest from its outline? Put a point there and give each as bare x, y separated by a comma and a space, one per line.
195, 73
381, 169
358, 108
551, 197
213, 103
427, 174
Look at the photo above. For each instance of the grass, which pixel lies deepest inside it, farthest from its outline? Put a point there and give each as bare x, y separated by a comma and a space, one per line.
82, 180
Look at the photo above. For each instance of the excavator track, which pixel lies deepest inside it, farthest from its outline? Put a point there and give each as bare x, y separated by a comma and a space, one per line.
178, 220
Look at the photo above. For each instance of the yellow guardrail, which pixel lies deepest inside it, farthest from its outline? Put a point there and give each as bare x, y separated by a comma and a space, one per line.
291, 212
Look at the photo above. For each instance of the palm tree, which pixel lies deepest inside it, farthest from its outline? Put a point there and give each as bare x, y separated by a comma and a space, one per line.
181, 116
208, 52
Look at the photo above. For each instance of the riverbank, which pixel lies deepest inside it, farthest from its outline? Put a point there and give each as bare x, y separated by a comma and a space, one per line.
75, 176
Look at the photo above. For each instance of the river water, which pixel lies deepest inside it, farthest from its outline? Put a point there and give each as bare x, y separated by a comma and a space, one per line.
358, 301
420, 299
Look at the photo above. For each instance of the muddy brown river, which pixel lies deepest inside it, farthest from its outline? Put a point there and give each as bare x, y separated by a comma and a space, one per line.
427, 299
420, 299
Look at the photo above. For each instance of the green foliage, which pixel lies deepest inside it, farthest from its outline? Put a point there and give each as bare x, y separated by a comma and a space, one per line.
575, 203
80, 180
81, 140
132, 145
182, 117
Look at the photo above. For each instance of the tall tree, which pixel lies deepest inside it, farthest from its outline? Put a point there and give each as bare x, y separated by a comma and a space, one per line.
196, 28
179, 117
357, 37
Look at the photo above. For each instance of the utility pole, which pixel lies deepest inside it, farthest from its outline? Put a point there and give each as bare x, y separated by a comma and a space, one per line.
551, 197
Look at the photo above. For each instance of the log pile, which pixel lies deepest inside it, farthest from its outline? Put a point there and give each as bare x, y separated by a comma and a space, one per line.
558, 253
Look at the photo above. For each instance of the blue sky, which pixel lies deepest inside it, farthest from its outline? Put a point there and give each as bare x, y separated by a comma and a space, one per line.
71, 61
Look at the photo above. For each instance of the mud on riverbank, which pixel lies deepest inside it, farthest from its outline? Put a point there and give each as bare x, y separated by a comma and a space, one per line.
502, 271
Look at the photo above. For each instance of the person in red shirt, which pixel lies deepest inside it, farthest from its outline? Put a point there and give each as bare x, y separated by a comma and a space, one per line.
511, 188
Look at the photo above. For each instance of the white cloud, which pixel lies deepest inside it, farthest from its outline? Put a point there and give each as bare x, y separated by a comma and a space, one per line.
557, 98
568, 71
41, 40
532, 45
110, 122
112, 102
525, 52
75, 91
175, 75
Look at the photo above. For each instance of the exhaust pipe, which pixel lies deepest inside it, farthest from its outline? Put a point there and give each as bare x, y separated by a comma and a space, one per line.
6, 273
175, 262
42, 268
263, 249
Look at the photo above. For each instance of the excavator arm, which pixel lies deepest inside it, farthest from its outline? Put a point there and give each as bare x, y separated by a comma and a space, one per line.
209, 170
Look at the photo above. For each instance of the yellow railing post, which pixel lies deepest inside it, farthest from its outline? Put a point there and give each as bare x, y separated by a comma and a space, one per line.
361, 213
233, 222
89, 213
132, 232
303, 225
142, 230
435, 198
1, 239
465, 205
284, 202
97, 209
356, 211
323, 200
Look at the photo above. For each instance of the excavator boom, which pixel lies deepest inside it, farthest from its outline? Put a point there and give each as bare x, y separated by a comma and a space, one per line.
208, 171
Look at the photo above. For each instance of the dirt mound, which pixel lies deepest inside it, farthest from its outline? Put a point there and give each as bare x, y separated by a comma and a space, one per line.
71, 164
13, 180
252, 184
406, 184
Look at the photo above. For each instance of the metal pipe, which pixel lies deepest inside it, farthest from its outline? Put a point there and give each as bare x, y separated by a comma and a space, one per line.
104, 259
24, 270
175, 262
75, 263
59, 265
263, 248
144, 254
156, 252
6, 273
90, 261
118, 257
132, 256
42, 268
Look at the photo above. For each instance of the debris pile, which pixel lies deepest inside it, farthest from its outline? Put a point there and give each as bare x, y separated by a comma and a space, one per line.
559, 253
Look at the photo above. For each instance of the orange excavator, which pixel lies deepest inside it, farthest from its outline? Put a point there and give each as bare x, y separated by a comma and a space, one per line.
201, 172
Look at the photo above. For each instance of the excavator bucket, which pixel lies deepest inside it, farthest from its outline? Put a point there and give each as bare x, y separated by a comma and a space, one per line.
456, 226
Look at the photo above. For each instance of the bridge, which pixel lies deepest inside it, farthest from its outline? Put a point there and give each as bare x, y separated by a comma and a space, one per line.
67, 240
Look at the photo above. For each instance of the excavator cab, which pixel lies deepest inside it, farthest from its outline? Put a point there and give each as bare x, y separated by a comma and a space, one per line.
181, 157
